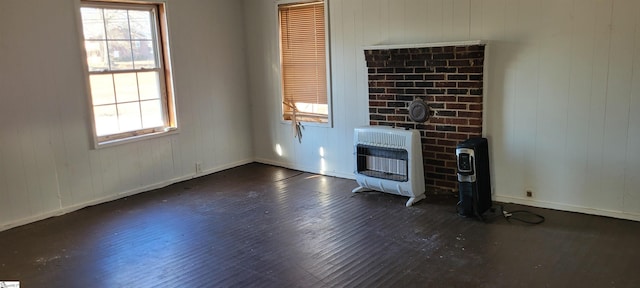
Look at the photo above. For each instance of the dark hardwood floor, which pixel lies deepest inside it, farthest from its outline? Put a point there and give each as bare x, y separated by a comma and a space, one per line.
265, 226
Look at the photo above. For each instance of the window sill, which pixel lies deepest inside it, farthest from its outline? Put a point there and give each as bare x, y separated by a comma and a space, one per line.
111, 143
308, 119
309, 124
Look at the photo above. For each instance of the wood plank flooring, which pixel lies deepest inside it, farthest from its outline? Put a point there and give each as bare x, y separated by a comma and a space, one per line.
263, 226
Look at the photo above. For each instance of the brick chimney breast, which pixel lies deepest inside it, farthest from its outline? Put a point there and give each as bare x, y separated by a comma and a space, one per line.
449, 78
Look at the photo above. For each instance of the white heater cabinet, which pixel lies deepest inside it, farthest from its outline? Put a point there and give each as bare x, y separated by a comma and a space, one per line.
389, 160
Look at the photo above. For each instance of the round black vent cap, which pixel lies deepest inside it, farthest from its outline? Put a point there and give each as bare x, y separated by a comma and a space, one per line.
418, 111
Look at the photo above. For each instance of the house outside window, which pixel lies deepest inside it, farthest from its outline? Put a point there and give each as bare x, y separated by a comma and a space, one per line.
128, 70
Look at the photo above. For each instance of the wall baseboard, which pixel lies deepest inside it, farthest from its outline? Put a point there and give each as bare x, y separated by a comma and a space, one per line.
566, 207
305, 168
499, 198
223, 167
75, 207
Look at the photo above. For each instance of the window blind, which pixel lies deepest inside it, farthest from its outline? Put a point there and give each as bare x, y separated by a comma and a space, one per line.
303, 58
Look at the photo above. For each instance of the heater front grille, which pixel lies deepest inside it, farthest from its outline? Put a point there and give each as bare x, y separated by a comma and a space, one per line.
383, 162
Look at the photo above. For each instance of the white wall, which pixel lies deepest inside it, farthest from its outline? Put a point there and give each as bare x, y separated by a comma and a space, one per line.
563, 99
562, 91
47, 165
349, 100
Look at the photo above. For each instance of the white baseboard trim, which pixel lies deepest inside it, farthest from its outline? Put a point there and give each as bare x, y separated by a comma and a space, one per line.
223, 167
305, 168
75, 207
500, 198
567, 207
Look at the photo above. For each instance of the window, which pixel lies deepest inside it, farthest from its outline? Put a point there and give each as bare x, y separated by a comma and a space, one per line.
303, 58
129, 79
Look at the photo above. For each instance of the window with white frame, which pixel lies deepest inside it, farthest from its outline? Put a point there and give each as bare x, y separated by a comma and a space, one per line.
304, 61
129, 76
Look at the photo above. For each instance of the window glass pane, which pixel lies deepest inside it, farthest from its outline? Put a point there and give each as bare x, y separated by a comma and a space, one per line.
129, 116
140, 25
92, 23
143, 54
312, 108
151, 113
102, 89
120, 55
149, 85
126, 87
117, 24
97, 55
106, 119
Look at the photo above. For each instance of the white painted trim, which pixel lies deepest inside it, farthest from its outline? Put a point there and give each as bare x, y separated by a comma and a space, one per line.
79, 206
568, 207
133, 139
499, 198
224, 167
425, 45
85, 75
485, 86
116, 196
305, 168
486, 90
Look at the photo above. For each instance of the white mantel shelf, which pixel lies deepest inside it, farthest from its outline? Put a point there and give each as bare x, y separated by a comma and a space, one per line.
425, 45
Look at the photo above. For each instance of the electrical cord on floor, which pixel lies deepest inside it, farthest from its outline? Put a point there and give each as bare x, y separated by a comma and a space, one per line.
289, 177
522, 215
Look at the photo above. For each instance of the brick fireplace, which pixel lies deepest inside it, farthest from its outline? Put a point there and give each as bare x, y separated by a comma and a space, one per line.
449, 79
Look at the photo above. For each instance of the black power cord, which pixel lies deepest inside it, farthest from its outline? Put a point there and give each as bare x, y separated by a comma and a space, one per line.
289, 177
523, 216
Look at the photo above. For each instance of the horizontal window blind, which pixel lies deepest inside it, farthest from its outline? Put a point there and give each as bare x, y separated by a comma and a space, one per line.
303, 58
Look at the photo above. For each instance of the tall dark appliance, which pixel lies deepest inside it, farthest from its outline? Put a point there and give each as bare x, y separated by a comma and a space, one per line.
473, 177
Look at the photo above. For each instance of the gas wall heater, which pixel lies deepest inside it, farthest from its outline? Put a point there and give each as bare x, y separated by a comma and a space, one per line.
389, 160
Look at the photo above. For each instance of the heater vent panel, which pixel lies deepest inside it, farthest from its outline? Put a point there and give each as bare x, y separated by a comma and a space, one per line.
384, 163
389, 160
382, 139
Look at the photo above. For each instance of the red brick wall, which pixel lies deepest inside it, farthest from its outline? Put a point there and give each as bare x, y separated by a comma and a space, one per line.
449, 79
